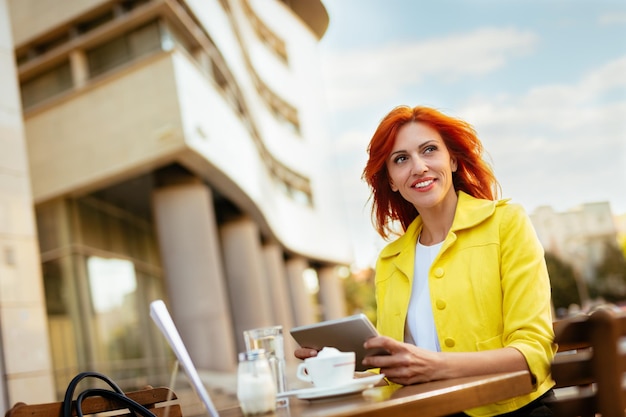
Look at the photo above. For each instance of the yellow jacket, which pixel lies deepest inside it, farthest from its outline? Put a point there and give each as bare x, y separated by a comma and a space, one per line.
489, 288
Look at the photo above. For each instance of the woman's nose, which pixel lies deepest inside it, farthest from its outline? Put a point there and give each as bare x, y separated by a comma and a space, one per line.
418, 167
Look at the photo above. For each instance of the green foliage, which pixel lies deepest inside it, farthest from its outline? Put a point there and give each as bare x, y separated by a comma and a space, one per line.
359, 290
563, 282
610, 283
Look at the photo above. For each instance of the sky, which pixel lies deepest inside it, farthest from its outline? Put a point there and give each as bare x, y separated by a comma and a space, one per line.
543, 82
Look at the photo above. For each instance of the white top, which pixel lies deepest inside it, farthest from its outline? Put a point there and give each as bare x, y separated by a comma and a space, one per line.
420, 324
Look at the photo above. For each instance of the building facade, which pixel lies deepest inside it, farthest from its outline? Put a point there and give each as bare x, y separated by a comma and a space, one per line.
578, 236
173, 149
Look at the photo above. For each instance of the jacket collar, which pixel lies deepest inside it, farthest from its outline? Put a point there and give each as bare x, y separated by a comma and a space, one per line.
469, 212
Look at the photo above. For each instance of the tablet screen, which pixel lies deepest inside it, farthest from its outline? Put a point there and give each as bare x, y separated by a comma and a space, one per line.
346, 334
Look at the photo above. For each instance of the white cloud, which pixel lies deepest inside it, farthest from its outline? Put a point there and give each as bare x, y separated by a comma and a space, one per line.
612, 19
605, 79
559, 107
560, 145
356, 79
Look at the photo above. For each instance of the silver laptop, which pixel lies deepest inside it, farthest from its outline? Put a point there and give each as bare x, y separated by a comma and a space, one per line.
163, 320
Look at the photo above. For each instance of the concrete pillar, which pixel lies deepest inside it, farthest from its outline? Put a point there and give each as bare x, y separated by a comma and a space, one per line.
279, 294
80, 68
190, 252
248, 286
332, 295
303, 305
26, 372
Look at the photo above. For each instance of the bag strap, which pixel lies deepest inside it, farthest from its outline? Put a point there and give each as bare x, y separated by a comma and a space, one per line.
71, 388
132, 405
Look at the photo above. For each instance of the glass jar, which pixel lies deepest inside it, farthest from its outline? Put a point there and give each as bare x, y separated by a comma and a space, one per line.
256, 390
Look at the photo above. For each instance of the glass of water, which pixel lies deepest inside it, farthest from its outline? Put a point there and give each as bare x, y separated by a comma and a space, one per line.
271, 340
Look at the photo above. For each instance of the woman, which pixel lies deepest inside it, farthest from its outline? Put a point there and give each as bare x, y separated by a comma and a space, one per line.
464, 290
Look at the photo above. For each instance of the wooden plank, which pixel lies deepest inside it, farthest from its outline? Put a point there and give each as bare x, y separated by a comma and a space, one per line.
572, 333
429, 399
148, 397
455, 399
572, 369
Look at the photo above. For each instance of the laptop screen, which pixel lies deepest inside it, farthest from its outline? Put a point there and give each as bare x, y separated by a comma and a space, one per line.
163, 320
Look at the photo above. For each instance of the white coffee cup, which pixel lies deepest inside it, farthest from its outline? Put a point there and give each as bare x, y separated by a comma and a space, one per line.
329, 368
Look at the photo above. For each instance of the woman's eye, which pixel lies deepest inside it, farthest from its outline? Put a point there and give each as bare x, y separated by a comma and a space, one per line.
399, 159
430, 149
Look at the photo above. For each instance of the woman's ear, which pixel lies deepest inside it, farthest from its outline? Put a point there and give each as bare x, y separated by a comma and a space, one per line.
393, 187
453, 164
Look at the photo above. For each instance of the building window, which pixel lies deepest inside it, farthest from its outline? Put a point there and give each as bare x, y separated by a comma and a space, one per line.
41, 48
273, 42
282, 111
115, 320
47, 84
123, 49
100, 275
94, 22
294, 185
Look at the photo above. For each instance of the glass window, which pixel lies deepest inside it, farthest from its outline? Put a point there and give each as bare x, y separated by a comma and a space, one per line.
98, 293
47, 84
113, 290
112, 282
49, 221
93, 23
62, 329
144, 40
107, 56
123, 49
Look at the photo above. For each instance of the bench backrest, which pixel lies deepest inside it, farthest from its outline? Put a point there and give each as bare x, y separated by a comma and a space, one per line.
590, 364
161, 401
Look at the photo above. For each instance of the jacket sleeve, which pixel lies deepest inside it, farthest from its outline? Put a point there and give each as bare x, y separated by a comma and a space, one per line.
527, 310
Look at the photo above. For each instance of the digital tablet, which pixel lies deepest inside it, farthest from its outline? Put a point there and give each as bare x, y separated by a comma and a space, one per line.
346, 334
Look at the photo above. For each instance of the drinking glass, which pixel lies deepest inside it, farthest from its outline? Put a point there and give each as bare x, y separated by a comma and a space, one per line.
271, 340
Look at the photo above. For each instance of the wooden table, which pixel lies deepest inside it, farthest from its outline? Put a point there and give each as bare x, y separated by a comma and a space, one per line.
430, 399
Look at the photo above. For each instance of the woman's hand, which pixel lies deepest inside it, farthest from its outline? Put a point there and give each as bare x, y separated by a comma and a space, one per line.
406, 364
303, 353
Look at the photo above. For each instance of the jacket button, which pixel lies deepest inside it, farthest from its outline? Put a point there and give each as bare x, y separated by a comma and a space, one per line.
440, 304
438, 272
449, 342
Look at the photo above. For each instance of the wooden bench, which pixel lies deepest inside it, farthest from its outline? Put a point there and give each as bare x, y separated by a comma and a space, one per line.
161, 401
590, 364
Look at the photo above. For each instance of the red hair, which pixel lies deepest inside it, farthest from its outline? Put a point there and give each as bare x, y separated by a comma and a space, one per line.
473, 175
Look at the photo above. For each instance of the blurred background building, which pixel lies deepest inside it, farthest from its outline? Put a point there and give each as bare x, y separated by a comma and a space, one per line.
584, 237
172, 149
578, 235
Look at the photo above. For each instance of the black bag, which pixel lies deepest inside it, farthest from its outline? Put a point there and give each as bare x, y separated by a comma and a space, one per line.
115, 393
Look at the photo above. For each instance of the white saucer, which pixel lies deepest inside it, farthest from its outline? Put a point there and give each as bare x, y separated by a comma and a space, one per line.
356, 385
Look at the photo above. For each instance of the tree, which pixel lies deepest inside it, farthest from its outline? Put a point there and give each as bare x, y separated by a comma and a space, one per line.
565, 289
610, 282
359, 289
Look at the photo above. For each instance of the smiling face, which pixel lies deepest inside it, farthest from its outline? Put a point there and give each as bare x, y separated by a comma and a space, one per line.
420, 167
